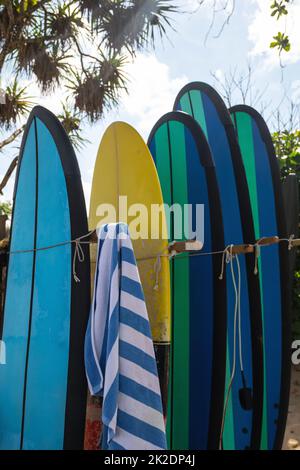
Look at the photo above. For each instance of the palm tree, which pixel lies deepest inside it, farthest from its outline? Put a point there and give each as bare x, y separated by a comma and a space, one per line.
87, 40
79, 45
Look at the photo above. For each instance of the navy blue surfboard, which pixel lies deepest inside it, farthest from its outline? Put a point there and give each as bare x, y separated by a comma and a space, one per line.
197, 374
43, 385
243, 413
263, 177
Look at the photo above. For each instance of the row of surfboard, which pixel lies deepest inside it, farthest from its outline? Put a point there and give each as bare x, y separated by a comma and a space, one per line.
227, 384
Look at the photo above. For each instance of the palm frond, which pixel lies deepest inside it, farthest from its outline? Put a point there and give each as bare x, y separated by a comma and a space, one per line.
112, 70
48, 67
71, 121
40, 35
64, 22
99, 88
17, 104
95, 10
132, 24
89, 94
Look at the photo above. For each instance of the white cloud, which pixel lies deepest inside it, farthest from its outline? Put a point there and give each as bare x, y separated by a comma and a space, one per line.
151, 92
263, 27
219, 74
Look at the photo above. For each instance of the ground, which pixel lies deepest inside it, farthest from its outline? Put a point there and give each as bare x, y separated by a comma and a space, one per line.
292, 436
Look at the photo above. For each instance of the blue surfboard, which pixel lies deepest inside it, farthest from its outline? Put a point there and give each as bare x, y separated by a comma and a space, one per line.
263, 177
243, 414
42, 385
197, 374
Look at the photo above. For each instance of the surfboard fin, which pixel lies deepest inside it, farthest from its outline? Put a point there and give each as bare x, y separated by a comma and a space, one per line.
245, 395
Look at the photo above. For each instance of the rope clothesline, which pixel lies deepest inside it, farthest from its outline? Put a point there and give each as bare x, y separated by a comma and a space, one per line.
227, 253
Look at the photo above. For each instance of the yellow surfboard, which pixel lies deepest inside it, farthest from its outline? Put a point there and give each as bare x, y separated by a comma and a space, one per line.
126, 189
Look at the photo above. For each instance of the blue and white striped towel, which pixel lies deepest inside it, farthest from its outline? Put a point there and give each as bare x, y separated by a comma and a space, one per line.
119, 354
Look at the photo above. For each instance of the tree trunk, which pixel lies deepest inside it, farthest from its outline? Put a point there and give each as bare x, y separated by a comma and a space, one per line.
8, 174
11, 138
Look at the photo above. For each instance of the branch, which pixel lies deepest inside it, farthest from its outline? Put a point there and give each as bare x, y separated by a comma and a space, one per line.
8, 174
239, 86
31, 9
10, 10
83, 54
215, 12
11, 138
3, 53
226, 88
15, 27
211, 25
227, 20
7, 42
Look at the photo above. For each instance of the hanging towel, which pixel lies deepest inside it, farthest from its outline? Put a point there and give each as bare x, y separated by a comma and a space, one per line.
119, 354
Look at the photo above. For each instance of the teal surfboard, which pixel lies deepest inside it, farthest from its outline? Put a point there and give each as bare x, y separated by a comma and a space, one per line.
42, 383
198, 354
243, 395
263, 177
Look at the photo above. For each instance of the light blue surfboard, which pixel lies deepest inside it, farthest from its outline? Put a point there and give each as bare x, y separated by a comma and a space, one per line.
42, 384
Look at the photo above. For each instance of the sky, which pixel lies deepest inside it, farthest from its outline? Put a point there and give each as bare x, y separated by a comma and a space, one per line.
156, 76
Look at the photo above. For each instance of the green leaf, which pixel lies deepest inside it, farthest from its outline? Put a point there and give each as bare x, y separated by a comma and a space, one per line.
279, 8
282, 42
